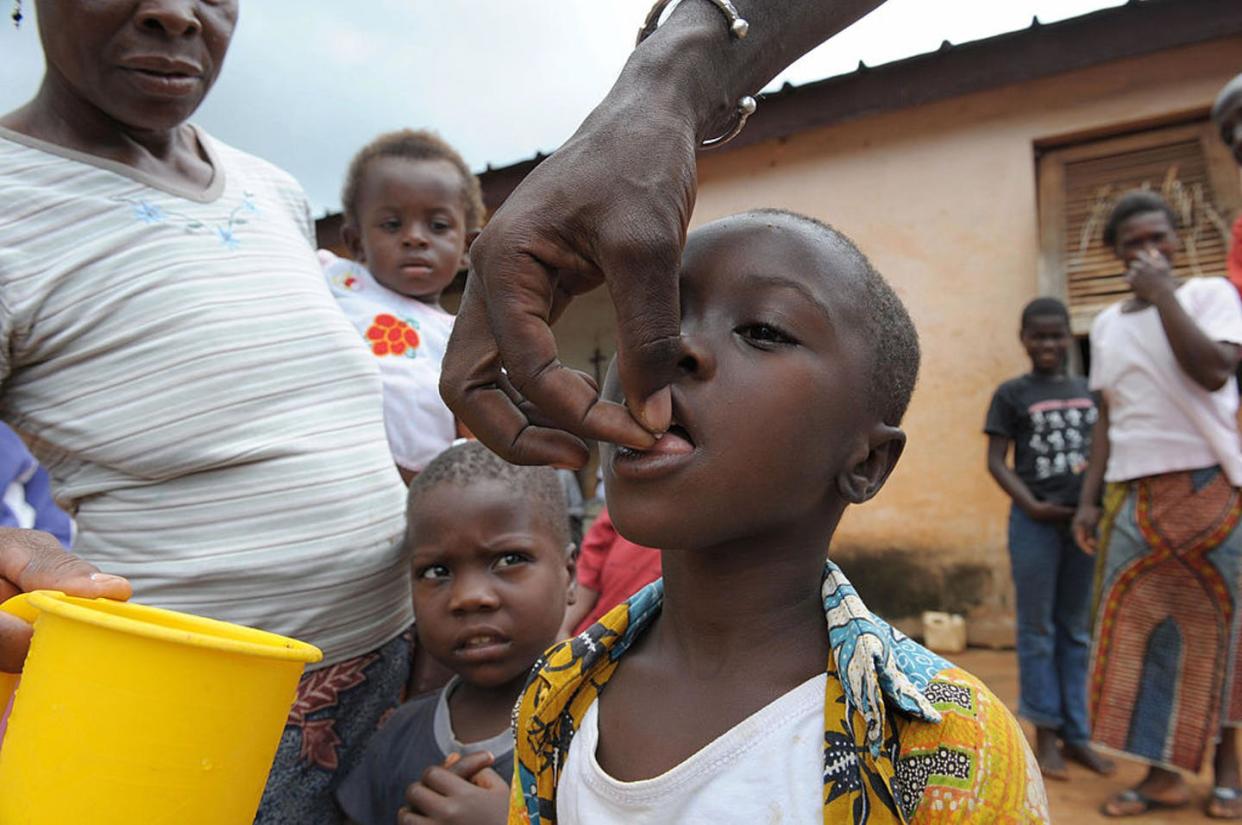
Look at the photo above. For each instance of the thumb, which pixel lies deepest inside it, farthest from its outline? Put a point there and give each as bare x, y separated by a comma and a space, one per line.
647, 302
34, 560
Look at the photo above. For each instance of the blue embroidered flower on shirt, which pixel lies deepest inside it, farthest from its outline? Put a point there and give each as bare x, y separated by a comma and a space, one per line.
148, 212
225, 229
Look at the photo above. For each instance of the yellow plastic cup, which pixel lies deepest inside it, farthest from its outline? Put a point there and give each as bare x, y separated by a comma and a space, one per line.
132, 715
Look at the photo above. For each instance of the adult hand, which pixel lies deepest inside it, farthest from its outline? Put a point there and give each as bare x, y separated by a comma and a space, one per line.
610, 206
1086, 521
1150, 276
34, 560
1047, 511
463, 791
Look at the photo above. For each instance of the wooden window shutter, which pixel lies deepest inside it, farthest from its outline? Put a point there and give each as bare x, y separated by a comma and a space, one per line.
1080, 184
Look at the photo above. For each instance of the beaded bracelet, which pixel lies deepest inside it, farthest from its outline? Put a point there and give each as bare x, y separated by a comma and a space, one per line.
738, 29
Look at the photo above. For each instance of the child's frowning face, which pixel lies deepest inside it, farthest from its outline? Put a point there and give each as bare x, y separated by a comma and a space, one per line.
772, 402
409, 225
491, 580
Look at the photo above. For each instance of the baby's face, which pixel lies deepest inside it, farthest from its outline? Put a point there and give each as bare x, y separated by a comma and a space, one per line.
490, 580
772, 393
411, 231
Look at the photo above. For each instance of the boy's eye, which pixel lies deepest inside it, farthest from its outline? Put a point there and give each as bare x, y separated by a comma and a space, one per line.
390, 225
511, 559
764, 334
441, 226
432, 572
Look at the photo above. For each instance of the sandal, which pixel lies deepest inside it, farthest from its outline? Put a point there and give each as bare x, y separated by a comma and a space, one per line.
1224, 803
1133, 802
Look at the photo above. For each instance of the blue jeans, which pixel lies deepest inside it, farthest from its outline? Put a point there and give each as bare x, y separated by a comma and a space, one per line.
1053, 581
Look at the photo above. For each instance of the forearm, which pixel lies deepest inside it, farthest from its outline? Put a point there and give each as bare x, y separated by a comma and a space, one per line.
701, 70
1208, 363
1009, 481
1012, 485
1097, 461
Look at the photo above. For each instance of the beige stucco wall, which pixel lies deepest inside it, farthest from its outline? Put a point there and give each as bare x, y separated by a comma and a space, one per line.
943, 198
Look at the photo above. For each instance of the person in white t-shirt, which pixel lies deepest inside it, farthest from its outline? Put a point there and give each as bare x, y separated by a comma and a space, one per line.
1164, 674
411, 208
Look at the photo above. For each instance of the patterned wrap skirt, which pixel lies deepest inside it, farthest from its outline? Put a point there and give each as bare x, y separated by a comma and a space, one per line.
1164, 658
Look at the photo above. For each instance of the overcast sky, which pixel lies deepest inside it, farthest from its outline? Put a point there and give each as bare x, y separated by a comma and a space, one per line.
307, 82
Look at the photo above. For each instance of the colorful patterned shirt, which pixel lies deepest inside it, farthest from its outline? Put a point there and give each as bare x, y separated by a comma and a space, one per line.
908, 737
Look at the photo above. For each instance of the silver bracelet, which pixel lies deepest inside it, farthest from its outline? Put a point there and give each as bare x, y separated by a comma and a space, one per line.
738, 29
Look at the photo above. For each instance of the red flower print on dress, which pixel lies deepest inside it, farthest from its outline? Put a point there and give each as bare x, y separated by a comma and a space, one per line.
389, 335
318, 691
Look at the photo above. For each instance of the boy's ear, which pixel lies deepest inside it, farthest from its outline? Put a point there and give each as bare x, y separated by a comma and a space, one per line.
464, 263
353, 242
862, 479
571, 564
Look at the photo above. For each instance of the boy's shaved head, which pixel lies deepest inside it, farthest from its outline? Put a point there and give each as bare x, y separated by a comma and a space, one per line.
1230, 97
1227, 115
471, 462
886, 324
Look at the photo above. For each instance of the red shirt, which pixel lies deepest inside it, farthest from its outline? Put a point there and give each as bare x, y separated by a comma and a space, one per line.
613, 567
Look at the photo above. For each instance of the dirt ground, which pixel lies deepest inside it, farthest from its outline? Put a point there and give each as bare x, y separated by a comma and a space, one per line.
1076, 802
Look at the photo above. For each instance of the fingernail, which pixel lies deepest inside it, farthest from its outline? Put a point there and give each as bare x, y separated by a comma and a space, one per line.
105, 578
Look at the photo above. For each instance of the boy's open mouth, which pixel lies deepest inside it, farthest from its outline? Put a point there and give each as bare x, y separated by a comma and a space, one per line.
676, 441
673, 450
483, 640
481, 645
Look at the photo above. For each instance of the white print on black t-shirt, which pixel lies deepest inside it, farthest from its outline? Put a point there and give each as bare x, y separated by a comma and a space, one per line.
1057, 435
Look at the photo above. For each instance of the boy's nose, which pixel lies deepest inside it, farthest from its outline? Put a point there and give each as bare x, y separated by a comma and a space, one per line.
173, 17
472, 593
695, 358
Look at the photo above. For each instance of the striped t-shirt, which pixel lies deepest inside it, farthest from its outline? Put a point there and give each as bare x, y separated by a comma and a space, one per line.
207, 414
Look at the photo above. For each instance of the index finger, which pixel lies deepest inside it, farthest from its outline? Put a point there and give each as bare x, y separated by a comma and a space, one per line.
440, 781
474, 387
472, 384
521, 294
466, 766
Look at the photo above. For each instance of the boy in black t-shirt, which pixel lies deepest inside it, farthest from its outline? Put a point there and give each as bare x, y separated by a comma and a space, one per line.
1047, 415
